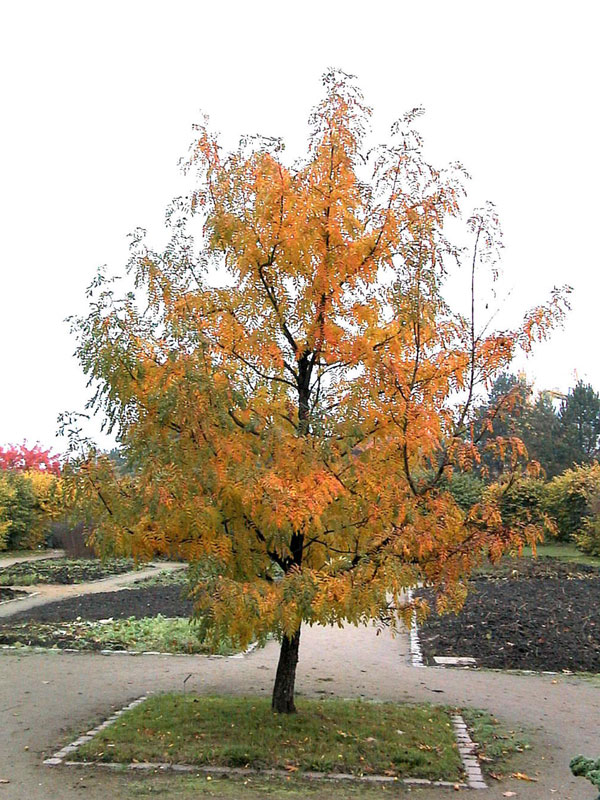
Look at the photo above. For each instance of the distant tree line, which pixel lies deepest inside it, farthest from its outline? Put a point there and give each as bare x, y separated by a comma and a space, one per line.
558, 432
561, 433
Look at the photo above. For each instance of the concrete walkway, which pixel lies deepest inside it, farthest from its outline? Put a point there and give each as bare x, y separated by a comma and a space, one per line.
45, 699
10, 560
51, 593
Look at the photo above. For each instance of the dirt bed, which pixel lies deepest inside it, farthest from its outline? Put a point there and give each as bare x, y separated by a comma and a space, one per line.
537, 615
139, 603
62, 571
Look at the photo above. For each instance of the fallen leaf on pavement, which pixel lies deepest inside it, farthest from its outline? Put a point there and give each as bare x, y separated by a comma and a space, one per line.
523, 777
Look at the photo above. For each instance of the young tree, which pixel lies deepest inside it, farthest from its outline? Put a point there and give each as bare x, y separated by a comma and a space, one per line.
290, 397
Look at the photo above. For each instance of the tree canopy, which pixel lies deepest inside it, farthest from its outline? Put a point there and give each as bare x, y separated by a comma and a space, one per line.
290, 393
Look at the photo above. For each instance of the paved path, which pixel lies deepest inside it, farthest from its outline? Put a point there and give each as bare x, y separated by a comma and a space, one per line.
10, 560
51, 593
46, 699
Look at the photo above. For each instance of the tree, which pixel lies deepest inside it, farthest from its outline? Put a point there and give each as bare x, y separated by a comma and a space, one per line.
23, 458
287, 424
540, 430
500, 418
579, 417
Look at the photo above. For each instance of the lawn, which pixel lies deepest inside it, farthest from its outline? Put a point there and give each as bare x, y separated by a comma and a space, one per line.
63, 571
341, 736
563, 552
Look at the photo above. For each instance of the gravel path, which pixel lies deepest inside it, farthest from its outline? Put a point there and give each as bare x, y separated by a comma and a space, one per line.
8, 562
46, 699
51, 593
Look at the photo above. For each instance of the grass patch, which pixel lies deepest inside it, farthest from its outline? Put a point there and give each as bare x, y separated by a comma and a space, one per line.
261, 787
63, 571
497, 745
150, 633
166, 577
326, 736
563, 552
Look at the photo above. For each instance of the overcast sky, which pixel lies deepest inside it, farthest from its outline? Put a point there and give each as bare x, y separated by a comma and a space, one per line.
99, 99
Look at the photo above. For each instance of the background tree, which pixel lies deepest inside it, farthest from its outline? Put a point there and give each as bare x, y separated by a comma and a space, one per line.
541, 432
579, 418
501, 417
289, 398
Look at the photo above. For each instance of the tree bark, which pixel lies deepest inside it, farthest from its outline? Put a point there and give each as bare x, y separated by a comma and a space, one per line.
283, 690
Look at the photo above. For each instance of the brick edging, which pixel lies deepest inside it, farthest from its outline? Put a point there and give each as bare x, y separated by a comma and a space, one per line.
468, 753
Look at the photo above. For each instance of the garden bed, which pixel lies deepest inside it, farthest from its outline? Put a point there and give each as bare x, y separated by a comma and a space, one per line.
150, 634
526, 614
339, 736
147, 601
152, 618
63, 571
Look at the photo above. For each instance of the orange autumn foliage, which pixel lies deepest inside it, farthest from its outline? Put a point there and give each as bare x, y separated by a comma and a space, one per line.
291, 397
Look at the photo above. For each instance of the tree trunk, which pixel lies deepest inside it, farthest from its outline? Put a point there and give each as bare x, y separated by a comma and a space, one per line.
283, 691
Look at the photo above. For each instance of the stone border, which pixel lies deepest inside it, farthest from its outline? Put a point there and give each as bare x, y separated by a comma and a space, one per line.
58, 650
26, 596
60, 756
468, 753
416, 655
466, 748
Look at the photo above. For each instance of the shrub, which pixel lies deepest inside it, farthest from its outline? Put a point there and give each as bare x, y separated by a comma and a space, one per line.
29, 501
525, 502
6, 499
466, 488
573, 501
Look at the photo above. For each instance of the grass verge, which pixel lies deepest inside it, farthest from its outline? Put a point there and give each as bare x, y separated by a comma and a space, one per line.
325, 736
497, 746
166, 577
158, 633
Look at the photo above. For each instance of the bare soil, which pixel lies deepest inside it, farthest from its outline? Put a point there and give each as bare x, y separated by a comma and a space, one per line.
142, 602
531, 614
62, 571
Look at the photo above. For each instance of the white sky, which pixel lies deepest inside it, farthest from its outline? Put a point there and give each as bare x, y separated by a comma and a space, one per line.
99, 99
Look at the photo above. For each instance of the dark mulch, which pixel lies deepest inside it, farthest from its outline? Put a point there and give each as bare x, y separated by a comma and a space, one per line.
531, 615
139, 603
63, 571
10, 594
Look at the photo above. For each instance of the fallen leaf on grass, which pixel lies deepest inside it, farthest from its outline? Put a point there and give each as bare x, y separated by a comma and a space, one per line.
521, 776
291, 768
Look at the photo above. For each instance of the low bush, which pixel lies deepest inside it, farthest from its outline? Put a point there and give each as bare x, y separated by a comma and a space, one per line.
524, 503
573, 500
